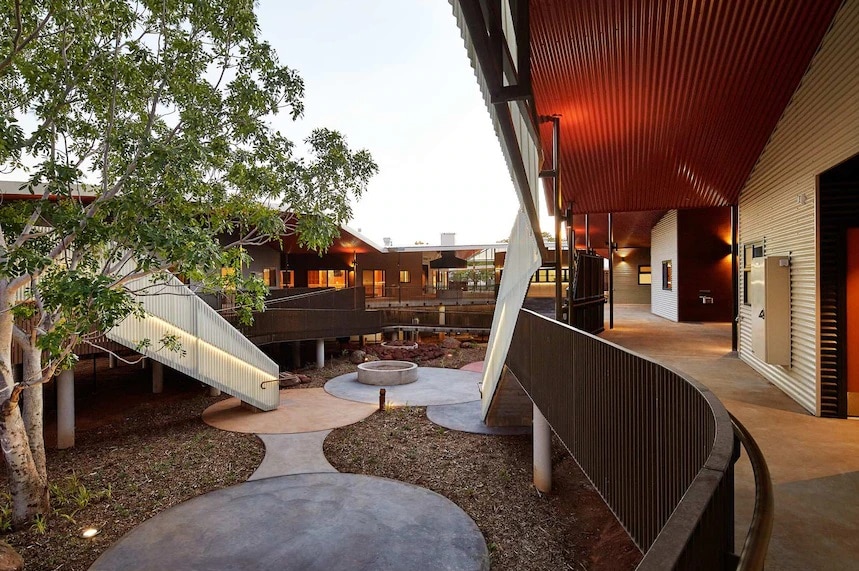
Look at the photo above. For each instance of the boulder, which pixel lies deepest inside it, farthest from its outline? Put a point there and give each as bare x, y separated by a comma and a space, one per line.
288, 380
466, 345
357, 357
303, 379
10, 560
451, 343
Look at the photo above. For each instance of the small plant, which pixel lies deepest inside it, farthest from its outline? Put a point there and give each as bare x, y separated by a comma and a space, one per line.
40, 524
5, 512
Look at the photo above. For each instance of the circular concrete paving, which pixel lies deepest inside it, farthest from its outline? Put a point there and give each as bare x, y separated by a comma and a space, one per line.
300, 410
466, 417
434, 386
308, 522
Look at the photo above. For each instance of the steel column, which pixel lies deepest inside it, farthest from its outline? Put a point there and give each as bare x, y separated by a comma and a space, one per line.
610, 273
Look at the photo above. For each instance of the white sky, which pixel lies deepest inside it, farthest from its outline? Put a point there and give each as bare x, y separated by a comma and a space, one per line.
394, 77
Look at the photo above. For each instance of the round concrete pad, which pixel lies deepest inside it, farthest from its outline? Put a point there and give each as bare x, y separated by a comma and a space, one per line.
308, 522
466, 417
300, 410
434, 386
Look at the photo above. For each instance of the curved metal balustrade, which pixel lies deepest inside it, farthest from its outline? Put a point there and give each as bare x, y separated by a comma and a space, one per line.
658, 446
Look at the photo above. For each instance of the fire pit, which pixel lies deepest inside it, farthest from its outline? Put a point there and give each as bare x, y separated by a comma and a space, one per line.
386, 373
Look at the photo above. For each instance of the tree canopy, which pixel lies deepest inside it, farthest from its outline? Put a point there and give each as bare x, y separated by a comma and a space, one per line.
143, 130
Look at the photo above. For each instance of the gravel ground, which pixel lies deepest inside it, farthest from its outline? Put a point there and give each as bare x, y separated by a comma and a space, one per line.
137, 454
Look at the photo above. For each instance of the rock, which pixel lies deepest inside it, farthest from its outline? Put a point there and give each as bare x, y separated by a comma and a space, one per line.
371, 358
10, 560
303, 379
288, 380
466, 345
451, 343
357, 357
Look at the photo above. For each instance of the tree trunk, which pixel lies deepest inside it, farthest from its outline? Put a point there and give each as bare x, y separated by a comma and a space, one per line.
33, 407
28, 489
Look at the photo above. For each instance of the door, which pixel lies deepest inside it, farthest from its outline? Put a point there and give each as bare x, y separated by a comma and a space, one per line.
852, 329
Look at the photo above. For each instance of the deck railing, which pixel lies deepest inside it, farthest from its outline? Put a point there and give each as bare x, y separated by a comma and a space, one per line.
658, 446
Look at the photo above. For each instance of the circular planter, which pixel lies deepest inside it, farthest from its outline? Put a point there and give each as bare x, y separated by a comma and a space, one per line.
386, 373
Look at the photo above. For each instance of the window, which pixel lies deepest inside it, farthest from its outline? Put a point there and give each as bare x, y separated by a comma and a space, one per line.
405, 277
287, 278
269, 276
644, 276
666, 275
317, 278
752, 250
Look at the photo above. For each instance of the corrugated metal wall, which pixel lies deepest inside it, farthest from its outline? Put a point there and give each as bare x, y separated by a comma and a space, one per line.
663, 246
626, 287
819, 129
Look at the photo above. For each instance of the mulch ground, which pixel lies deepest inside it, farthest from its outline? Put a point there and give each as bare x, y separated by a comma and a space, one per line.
137, 454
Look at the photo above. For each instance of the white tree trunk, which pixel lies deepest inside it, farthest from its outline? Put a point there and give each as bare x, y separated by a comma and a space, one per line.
28, 489
33, 408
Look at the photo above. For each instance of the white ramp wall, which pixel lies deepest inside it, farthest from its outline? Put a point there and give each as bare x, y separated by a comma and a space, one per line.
522, 260
213, 351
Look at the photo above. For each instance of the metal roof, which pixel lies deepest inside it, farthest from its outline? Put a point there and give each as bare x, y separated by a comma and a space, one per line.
666, 103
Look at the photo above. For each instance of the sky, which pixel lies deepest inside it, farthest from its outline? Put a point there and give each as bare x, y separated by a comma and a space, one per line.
393, 76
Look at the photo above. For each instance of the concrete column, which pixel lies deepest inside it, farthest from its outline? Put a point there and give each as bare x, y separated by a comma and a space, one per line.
214, 392
296, 354
66, 409
157, 377
320, 353
542, 452
111, 361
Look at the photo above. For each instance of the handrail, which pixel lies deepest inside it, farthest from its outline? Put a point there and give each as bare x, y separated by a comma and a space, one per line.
754, 553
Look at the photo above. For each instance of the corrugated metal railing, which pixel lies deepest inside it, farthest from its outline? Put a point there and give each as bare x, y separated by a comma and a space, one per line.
213, 351
658, 446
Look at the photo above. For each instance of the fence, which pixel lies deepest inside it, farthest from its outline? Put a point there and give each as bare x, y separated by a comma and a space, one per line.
658, 447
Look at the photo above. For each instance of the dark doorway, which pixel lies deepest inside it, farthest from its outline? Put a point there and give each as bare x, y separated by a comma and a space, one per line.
838, 209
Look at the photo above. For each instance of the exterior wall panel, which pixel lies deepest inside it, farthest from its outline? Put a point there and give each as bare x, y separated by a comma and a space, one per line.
663, 246
626, 286
818, 130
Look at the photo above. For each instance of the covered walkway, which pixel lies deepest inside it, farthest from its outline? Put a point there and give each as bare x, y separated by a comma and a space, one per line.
814, 462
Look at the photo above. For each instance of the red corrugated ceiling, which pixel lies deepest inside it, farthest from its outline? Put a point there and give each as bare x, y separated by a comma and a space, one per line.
667, 104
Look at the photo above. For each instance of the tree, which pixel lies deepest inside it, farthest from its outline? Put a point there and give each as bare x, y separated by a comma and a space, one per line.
143, 128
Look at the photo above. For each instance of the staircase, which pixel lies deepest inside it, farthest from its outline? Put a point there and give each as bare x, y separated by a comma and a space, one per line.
213, 351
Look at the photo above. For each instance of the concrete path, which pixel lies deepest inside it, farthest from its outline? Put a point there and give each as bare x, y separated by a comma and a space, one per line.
290, 454
296, 512
814, 462
310, 522
434, 386
466, 417
300, 410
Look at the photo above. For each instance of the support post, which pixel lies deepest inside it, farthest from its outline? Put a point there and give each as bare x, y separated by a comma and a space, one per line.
296, 354
556, 187
320, 353
66, 409
111, 361
587, 233
610, 273
157, 377
571, 257
542, 452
